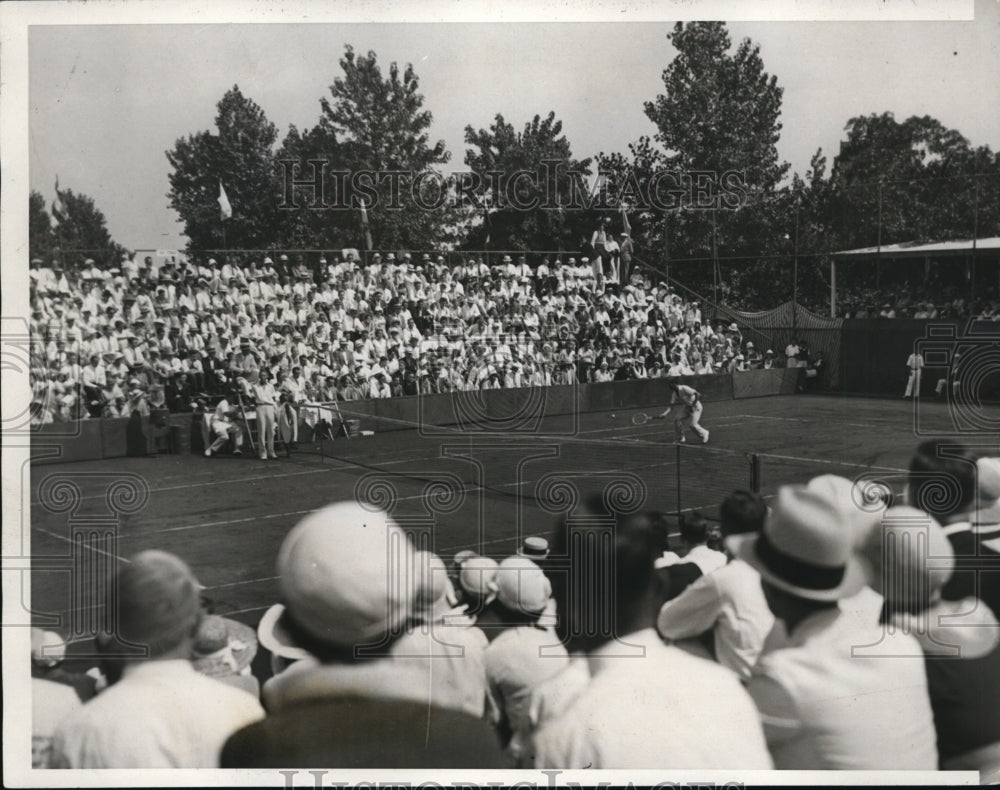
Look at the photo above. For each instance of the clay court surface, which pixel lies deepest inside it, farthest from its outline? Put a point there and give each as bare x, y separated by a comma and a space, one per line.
227, 516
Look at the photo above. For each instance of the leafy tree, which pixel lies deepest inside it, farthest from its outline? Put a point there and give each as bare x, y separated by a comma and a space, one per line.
720, 113
914, 180
40, 237
240, 155
629, 183
83, 231
310, 220
379, 124
534, 211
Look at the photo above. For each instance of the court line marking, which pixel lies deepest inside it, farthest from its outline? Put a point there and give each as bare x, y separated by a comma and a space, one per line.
85, 545
342, 467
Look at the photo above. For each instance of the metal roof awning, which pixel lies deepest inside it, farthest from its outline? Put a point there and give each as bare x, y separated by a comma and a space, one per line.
909, 249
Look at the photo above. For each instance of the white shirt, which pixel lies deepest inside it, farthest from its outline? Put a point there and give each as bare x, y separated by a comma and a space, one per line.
518, 661
51, 702
705, 558
687, 395
161, 714
730, 601
826, 708
665, 708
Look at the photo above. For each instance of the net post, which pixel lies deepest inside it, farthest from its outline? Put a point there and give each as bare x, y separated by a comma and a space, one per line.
677, 450
755, 473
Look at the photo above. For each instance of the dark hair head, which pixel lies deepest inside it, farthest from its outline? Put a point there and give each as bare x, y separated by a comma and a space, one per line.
742, 512
609, 588
694, 529
942, 479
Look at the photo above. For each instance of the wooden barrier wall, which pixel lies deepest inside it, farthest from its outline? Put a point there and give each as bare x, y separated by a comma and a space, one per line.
499, 410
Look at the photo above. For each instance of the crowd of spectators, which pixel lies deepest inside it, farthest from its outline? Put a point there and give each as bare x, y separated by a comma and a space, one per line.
810, 635
156, 334
930, 301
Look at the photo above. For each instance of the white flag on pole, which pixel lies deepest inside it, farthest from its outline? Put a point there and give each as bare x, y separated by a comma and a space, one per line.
58, 208
227, 210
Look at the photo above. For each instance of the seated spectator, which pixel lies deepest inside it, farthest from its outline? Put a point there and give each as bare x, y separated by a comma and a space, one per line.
678, 571
161, 713
682, 699
225, 425
823, 708
444, 644
727, 604
48, 651
478, 591
354, 705
528, 669
223, 649
51, 704
975, 483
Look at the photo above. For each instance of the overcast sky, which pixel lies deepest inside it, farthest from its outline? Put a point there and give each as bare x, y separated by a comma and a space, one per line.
107, 101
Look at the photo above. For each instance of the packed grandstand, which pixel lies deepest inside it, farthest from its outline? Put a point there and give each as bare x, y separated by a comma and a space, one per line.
160, 334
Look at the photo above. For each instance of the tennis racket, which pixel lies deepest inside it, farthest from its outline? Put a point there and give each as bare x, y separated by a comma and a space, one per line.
641, 418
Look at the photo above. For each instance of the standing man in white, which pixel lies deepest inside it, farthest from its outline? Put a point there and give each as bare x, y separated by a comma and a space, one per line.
691, 400
265, 400
915, 364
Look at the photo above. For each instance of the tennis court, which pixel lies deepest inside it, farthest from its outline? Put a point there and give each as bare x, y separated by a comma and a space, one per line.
227, 516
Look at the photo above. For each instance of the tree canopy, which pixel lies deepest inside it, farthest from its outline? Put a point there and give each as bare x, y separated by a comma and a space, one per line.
240, 156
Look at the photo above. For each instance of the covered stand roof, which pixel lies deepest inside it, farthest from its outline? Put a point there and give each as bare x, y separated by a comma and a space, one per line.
911, 249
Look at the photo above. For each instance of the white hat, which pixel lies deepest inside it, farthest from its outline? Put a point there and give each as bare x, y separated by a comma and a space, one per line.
336, 577
476, 576
911, 558
804, 548
521, 586
856, 507
433, 585
47, 648
273, 634
988, 504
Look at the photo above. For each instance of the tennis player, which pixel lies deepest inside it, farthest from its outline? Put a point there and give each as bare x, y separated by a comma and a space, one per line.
690, 400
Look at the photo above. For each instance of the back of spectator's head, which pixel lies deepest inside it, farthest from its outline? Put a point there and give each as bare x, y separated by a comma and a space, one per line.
742, 512
48, 649
433, 585
898, 553
340, 572
522, 587
942, 480
694, 528
476, 577
157, 602
609, 589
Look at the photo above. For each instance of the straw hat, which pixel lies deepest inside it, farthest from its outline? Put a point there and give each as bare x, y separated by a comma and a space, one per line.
223, 647
804, 548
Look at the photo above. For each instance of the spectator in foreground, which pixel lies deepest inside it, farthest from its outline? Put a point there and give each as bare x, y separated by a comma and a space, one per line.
727, 604
48, 650
960, 639
822, 707
161, 713
526, 665
697, 559
972, 484
51, 700
444, 644
223, 649
354, 705
648, 705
